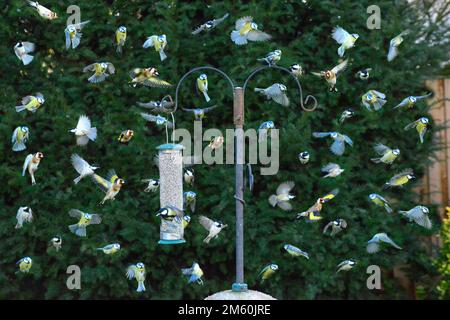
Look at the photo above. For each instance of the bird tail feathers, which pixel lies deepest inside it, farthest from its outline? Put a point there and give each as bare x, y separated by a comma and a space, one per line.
238, 38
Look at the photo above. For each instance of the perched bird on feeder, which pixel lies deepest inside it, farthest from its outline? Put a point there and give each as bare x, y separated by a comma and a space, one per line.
73, 34
189, 176
31, 165
336, 227
152, 185
213, 227
165, 105
101, 70
202, 86
313, 213
345, 39
295, 252
137, 271
303, 157
393, 46
199, 114
276, 92
216, 142
373, 99
120, 38
268, 271
283, 196
346, 114
22, 49
125, 136
83, 168
330, 76
400, 179
419, 215
20, 136
332, 170
148, 77
210, 24
272, 57
85, 219
247, 30
195, 273
339, 141
43, 11
297, 70
31, 103
421, 126
111, 185
186, 220
363, 74
266, 127
84, 131
24, 214
169, 213
409, 102
159, 43
374, 244
159, 120
346, 265
380, 201
56, 242
387, 154
25, 264
110, 248
190, 199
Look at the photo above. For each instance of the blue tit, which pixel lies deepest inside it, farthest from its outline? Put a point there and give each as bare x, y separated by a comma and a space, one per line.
22, 49
267, 125
165, 105
148, 77
295, 252
31, 165
345, 39
373, 99
195, 273
190, 199
73, 34
31, 103
56, 242
101, 70
43, 11
268, 271
110, 248
159, 120
83, 168
210, 24
374, 244
247, 30
297, 70
387, 155
336, 226
25, 264
409, 102
330, 76
216, 142
202, 86
276, 92
313, 213
137, 271
152, 185
272, 57
189, 176
283, 196
199, 114
419, 215
380, 201
346, 265
339, 141
120, 38
363, 74
304, 157
159, 43
346, 114
24, 214
332, 170
19, 138
85, 219
111, 186
170, 213
125, 136
84, 131
393, 46
400, 179
186, 220
421, 126
213, 227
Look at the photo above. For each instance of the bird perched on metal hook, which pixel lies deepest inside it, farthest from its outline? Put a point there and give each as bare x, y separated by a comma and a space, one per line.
165, 105
272, 57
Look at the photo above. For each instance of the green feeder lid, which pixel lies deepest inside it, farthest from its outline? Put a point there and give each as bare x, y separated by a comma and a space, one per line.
170, 146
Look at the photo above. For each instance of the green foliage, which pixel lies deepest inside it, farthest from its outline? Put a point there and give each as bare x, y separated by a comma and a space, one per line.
302, 31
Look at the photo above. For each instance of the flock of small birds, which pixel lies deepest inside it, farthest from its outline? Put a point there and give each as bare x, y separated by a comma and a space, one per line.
245, 31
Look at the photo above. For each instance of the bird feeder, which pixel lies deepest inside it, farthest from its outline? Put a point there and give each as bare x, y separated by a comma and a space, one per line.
171, 191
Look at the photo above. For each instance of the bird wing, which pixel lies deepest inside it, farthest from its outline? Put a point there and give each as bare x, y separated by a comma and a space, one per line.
330, 167
90, 67
340, 35
206, 110
320, 134
329, 224
205, 222
131, 272
381, 148
79, 163
264, 270
402, 104
149, 105
330, 195
28, 46
419, 217
75, 213
285, 187
338, 147
340, 67
318, 74
285, 205
240, 23
382, 199
343, 263
111, 68
95, 219
186, 271
424, 96
188, 110
401, 174
112, 176
84, 123
199, 29
411, 125
26, 100
156, 82
68, 41
348, 140
103, 184
281, 99
80, 25
14, 135
148, 117
379, 94
385, 238
26, 163
393, 52
257, 35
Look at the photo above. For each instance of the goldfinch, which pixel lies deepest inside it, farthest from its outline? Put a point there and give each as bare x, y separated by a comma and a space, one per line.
31, 165
247, 30
159, 43
20, 136
330, 76
125, 136
313, 213
31, 103
101, 70
148, 77
111, 185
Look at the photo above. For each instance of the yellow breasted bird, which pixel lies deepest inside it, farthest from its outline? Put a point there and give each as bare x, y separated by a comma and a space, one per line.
409, 102
268, 271
186, 220
282, 196
421, 126
190, 199
137, 271
148, 77
25, 265
110, 248
295, 252
85, 219
19, 138
387, 154
111, 185
31, 103
272, 57
373, 99
195, 273
202, 86
330, 76
400, 179
73, 34
313, 213
247, 30
125, 136
120, 38
159, 43
380, 201
393, 46
101, 70
345, 39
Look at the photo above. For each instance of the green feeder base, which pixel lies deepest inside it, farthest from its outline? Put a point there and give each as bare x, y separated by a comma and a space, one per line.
171, 241
239, 287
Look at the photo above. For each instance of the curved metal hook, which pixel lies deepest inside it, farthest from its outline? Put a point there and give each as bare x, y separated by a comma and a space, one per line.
302, 102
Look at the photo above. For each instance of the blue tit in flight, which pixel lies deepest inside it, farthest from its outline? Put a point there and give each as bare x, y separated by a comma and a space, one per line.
297, 70
170, 213
101, 70
137, 271
120, 38
393, 46
345, 39
25, 264
346, 265
332, 170
373, 99
380, 201
363, 74
19, 138
339, 141
336, 227
110, 248
159, 43
81, 166
125, 136
111, 185
56, 242
313, 213
374, 244
190, 199
272, 57
304, 157
152, 185
421, 126
387, 154
419, 215
24, 214
189, 176
202, 86
268, 271
282, 197
31, 165
276, 92
400, 179
159, 120
247, 30
84, 131
199, 114
73, 34
22, 49
346, 114
165, 105
330, 76
43, 11
216, 142
213, 227
186, 220
409, 102
31, 103
85, 219
295, 252
148, 77
195, 273
209, 25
